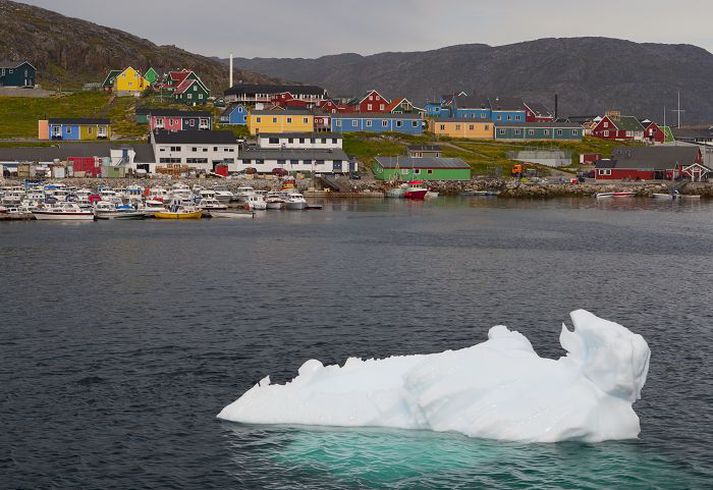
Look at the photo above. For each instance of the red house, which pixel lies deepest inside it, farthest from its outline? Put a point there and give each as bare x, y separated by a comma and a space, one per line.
652, 132
536, 112
372, 101
322, 121
651, 163
614, 126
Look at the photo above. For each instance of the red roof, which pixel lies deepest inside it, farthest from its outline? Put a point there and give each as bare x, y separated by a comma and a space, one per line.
394, 103
184, 86
179, 76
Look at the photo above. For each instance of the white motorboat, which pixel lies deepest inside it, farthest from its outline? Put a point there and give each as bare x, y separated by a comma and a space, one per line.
242, 193
158, 194
274, 200
13, 197
222, 194
256, 202
65, 211
109, 210
210, 204
295, 201
151, 207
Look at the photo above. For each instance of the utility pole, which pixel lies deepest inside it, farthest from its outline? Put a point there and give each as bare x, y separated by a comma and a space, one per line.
679, 110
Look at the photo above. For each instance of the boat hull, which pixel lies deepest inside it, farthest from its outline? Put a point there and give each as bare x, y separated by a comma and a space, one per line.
47, 216
171, 215
232, 214
416, 195
296, 206
120, 215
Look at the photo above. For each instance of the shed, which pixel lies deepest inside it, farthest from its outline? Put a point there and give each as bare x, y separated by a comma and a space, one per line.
424, 168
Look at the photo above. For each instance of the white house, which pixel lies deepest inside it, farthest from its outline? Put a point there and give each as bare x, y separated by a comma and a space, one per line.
304, 141
200, 150
321, 161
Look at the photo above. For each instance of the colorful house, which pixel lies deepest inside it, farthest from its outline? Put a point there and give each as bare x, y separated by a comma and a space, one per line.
560, 131
462, 128
108, 83
17, 74
191, 91
235, 114
280, 121
75, 129
614, 126
260, 93
377, 123
372, 101
653, 133
424, 168
507, 109
130, 82
401, 105
177, 120
151, 76
652, 163
467, 107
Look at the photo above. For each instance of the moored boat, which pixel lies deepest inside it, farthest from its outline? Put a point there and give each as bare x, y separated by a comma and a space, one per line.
63, 211
415, 191
179, 211
619, 194
295, 201
232, 214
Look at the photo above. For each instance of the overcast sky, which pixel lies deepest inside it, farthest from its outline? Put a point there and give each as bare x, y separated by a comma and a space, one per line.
311, 28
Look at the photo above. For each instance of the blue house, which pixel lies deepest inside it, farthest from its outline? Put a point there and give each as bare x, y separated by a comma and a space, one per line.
77, 129
549, 130
235, 114
471, 107
436, 110
507, 110
376, 122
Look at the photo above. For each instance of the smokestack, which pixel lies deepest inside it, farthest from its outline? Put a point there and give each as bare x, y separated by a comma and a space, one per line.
231, 69
557, 107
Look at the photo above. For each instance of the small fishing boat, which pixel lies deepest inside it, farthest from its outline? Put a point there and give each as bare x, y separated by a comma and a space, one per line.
210, 204
415, 191
222, 194
274, 200
616, 195
179, 211
256, 202
63, 211
396, 192
232, 214
106, 210
431, 195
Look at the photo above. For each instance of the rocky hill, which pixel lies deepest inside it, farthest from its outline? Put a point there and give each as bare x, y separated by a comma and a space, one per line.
591, 75
72, 51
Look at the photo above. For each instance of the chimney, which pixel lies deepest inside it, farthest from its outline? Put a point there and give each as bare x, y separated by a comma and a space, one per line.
556, 107
231, 69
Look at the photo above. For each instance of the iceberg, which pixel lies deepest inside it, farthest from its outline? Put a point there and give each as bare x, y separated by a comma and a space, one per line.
498, 389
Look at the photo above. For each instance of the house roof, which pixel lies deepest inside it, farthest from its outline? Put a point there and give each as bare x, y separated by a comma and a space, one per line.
187, 84
50, 153
464, 120
653, 157
373, 115
144, 152
194, 136
178, 113
628, 123
14, 64
538, 109
300, 135
178, 76
282, 112
112, 73
293, 154
246, 88
507, 104
543, 124
425, 162
692, 133
470, 102
79, 120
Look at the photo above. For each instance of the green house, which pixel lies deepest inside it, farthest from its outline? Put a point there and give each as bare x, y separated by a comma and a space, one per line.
192, 92
558, 131
108, 82
151, 76
425, 168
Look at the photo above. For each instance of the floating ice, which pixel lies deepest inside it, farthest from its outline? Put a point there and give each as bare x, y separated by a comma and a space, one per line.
499, 389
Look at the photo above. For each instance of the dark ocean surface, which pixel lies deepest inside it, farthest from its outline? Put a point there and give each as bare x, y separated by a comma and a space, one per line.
121, 341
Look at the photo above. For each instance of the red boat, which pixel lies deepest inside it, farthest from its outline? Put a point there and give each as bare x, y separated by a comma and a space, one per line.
415, 191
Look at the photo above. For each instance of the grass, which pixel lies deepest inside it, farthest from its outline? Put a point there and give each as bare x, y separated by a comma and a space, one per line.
19, 115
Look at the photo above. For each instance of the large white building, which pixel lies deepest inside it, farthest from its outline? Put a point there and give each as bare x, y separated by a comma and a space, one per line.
303, 141
259, 93
320, 161
201, 150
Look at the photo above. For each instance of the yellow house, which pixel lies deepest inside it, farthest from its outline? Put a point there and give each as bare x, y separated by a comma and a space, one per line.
463, 128
280, 121
130, 82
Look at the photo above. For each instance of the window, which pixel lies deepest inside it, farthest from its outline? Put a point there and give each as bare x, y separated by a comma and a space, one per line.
575, 132
471, 127
305, 120
604, 171
457, 127
259, 161
290, 140
399, 123
190, 96
215, 148
162, 149
371, 97
417, 171
499, 117
274, 141
518, 132
606, 134
69, 130
509, 117
196, 160
355, 123
289, 120
430, 171
194, 149
246, 161
307, 162
501, 131
338, 123
334, 141
302, 140
319, 162
281, 162
443, 127
169, 160
368, 123
487, 127
274, 120
381, 107
175, 148
546, 132
294, 162
257, 119
531, 132
368, 107
559, 132
404, 171
414, 124
205, 149
384, 123
89, 129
